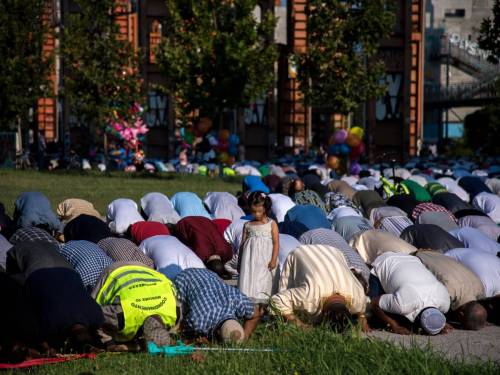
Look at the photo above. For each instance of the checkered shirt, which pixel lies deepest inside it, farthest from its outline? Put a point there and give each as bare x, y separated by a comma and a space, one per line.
88, 259
123, 250
336, 200
207, 302
425, 207
328, 237
310, 197
32, 234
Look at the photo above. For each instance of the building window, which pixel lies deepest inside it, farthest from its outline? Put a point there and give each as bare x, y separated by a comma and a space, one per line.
255, 113
154, 39
157, 114
454, 13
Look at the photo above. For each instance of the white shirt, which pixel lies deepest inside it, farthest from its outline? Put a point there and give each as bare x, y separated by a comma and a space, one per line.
342, 211
488, 203
234, 233
474, 238
280, 206
170, 255
350, 180
122, 213
158, 208
452, 186
223, 205
247, 170
486, 266
287, 245
409, 286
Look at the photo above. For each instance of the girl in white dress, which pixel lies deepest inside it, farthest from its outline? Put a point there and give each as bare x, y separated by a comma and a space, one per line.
258, 254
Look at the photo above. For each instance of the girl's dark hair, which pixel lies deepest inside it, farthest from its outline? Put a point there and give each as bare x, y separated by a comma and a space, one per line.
258, 198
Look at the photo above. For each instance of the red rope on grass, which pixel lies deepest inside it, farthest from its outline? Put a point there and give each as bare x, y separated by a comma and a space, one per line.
45, 361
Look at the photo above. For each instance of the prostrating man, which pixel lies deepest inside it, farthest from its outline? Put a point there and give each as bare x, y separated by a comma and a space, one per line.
368, 200
189, 204
489, 203
88, 260
123, 250
430, 236
349, 226
317, 281
409, 290
63, 308
463, 286
135, 299
201, 235
157, 207
485, 265
213, 309
122, 213
32, 234
223, 205
332, 239
86, 228
33, 209
142, 230
170, 255
5, 246
372, 243
474, 238
71, 208
302, 218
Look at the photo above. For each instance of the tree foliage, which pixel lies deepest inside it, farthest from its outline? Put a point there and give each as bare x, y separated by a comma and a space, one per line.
482, 130
24, 68
339, 69
101, 75
215, 55
489, 34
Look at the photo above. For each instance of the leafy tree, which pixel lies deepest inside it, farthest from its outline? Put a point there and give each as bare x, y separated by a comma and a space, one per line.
216, 55
489, 37
24, 68
101, 75
482, 130
339, 69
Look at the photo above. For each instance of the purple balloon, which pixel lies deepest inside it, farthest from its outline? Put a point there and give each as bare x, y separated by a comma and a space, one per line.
340, 136
355, 168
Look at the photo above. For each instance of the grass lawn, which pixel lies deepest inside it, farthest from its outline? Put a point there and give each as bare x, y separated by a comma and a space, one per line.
101, 189
316, 351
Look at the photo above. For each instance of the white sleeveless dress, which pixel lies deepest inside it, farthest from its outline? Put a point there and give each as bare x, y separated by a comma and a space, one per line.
256, 281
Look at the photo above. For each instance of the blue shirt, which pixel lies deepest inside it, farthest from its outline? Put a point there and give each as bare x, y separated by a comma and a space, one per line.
88, 259
207, 302
310, 216
254, 183
189, 204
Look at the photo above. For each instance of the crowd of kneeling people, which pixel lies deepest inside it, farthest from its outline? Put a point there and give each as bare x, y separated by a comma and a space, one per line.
306, 249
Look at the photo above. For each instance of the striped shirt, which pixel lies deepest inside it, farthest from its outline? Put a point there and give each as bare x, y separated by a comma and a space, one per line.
312, 273
207, 302
394, 225
331, 238
88, 259
123, 250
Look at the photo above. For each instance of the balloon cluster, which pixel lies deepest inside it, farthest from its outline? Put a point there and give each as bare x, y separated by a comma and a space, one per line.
346, 144
223, 143
128, 132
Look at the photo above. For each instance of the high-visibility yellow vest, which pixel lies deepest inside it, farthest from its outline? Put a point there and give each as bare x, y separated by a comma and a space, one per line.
143, 292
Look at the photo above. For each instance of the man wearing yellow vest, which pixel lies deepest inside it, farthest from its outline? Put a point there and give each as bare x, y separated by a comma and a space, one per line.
135, 299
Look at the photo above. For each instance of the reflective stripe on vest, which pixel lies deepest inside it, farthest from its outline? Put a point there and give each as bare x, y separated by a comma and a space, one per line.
143, 292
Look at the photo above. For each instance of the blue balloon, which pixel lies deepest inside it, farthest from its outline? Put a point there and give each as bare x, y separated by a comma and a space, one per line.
334, 149
234, 139
344, 149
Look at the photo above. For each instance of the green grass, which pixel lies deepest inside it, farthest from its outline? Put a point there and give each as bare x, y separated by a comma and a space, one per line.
102, 189
316, 351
